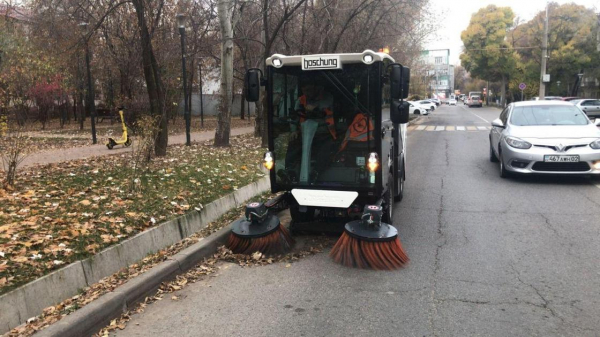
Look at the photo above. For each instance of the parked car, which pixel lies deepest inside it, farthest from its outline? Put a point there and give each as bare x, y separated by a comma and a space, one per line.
569, 98
591, 107
436, 101
546, 137
452, 102
428, 103
548, 98
418, 109
475, 101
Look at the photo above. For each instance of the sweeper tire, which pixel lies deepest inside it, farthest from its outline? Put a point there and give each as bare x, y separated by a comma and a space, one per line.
388, 200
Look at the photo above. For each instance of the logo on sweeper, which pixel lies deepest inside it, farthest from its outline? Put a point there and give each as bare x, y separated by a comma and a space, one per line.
321, 62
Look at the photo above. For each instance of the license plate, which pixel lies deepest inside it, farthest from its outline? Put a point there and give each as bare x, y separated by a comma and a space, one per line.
561, 159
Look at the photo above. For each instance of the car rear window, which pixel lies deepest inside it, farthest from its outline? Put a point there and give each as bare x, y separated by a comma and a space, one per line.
547, 115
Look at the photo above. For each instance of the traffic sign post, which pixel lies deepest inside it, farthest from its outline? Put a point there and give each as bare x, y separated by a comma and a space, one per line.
522, 86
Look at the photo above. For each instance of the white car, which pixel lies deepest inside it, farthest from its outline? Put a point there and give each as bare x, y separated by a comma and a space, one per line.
452, 102
416, 108
429, 104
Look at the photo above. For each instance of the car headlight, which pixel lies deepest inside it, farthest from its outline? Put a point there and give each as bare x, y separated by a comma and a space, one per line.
517, 143
595, 144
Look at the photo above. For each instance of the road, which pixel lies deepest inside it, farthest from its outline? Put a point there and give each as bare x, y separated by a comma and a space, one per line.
489, 257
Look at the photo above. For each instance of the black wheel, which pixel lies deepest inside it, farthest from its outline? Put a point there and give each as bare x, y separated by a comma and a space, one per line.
388, 199
417, 112
503, 172
127, 142
493, 157
400, 187
110, 144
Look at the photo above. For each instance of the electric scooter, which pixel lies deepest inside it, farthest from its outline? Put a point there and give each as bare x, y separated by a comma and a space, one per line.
125, 140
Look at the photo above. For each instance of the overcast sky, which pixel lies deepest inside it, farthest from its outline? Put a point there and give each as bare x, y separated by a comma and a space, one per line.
454, 17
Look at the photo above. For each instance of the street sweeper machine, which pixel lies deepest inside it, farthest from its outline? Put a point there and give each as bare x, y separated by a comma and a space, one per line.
337, 135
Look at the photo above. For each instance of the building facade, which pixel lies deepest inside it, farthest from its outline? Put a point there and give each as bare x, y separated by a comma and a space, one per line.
438, 71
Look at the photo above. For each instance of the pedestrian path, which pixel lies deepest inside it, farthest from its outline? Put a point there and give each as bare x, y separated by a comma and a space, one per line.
448, 128
54, 156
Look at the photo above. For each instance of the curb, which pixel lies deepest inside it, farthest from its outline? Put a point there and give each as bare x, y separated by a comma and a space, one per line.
98, 314
30, 299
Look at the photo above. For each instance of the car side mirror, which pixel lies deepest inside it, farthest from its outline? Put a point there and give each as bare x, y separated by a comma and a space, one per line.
498, 123
396, 81
399, 112
253, 85
405, 82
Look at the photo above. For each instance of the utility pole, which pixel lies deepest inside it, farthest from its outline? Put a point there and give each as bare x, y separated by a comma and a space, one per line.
544, 57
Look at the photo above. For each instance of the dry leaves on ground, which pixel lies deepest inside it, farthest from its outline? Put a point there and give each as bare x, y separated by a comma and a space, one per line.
63, 212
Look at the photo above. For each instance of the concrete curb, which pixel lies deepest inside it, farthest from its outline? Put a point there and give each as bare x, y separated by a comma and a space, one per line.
98, 314
30, 299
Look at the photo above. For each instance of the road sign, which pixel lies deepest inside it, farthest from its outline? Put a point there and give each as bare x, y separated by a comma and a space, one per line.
522, 86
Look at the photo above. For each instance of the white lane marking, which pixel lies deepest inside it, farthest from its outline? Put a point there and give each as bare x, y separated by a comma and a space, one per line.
460, 128
483, 119
476, 115
598, 185
440, 128
482, 128
421, 127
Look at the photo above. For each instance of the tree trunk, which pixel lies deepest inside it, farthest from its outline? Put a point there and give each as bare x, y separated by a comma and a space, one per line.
153, 81
224, 118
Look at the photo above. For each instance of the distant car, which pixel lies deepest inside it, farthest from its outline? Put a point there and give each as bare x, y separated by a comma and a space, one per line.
548, 98
418, 109
546, 137
452, 102
428, 103
568, 99
591, 107
475, 101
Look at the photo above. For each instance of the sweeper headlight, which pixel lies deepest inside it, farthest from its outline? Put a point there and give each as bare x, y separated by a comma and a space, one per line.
277, 63
268, 160
373, 162
368, 58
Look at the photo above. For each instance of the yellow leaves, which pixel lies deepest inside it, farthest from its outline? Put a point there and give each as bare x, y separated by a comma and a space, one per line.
85, 202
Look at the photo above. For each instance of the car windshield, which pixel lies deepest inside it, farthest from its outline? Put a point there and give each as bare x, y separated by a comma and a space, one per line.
547, 115
575, 101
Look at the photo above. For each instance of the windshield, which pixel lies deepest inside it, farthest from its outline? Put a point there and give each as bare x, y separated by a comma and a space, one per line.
548, 115
323, 124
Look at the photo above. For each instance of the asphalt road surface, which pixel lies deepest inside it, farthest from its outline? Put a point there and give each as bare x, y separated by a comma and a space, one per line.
489, 257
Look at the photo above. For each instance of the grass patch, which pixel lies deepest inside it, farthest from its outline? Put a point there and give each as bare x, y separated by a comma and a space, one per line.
68, 211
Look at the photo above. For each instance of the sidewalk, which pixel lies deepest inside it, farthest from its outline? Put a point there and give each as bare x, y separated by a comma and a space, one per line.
55, 156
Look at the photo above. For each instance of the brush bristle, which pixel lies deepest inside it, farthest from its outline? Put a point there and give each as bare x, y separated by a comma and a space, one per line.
278, 242
386, 255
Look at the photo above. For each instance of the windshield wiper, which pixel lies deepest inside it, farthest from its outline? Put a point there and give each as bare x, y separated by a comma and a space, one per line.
345, 92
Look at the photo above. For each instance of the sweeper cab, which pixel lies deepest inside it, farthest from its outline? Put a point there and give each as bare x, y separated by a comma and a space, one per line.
337, 136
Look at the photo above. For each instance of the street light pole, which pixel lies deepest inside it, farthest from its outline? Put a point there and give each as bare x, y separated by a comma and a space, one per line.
186, 112
542, 93
91, 104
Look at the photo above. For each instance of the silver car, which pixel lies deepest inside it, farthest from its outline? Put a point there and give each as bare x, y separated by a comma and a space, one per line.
547, 137
591, 107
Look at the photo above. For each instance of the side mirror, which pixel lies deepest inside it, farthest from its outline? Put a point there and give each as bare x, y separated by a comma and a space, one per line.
396, 81
405, 82
399, 112
497, 123
253, 85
